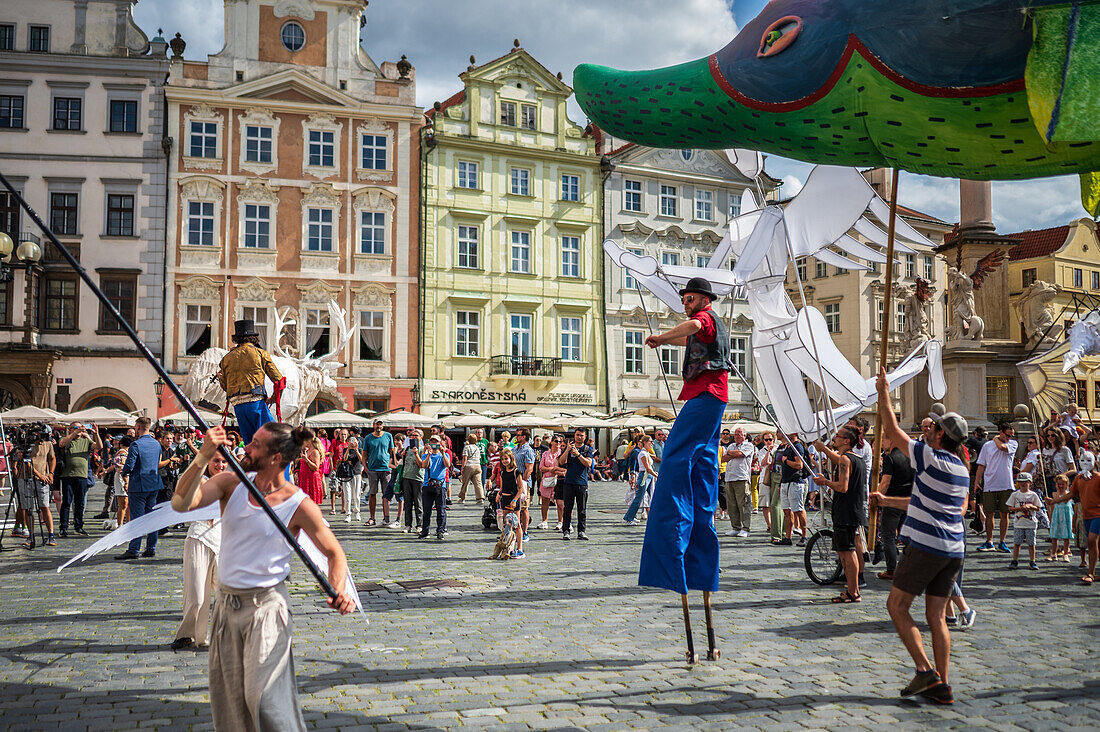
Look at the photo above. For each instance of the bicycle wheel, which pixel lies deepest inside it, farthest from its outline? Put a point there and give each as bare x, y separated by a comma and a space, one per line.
822, 564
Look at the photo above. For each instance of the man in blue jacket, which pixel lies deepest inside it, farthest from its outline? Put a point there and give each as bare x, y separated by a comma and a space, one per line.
143, 464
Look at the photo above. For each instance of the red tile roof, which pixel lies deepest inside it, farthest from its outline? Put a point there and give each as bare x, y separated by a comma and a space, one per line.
456, 98
1038, 243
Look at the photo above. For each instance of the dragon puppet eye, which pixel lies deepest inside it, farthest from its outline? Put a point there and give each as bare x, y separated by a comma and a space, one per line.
779, 36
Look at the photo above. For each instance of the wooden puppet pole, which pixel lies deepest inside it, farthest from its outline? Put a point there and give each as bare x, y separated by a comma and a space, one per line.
713, 654
884, 355
692, 657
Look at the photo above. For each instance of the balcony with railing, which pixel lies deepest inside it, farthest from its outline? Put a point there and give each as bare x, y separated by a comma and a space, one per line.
529, 366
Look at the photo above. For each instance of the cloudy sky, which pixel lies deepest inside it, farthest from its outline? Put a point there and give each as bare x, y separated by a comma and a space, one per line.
438, 36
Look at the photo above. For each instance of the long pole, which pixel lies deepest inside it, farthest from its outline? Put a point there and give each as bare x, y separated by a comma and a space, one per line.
174, 388
884, 353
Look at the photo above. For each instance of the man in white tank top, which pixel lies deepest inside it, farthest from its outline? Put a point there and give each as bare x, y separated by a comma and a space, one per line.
252, 673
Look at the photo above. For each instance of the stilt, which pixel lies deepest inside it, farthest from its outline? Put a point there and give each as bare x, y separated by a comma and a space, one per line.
692, 656
713, 654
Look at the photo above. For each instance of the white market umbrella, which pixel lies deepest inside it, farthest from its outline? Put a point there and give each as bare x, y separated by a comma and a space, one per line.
588, 422
338, 418
526, 419
637, 420
211, 418
101, 417
474, 420
28, 413
401, 418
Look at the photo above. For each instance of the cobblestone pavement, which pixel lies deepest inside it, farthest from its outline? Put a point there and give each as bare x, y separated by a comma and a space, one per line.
561, 640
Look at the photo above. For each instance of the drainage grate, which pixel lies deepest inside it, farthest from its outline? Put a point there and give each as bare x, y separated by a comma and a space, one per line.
369, 587
431, 584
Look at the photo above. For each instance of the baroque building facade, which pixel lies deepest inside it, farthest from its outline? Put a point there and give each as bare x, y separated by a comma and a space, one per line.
81, 132
295, 182
673, 205
512, 316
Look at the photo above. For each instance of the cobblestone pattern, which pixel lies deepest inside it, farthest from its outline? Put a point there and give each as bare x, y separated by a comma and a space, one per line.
561, 640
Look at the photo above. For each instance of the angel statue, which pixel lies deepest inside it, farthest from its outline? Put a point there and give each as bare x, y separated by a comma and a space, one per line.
1036, 311
914, 303
964, 323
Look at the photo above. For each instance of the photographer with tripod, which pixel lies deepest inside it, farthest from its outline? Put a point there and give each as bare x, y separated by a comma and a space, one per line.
77, 446
34, 462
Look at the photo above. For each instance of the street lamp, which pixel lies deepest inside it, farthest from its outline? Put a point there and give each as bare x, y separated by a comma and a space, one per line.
622, 403
28, 254
415, 391
158, 388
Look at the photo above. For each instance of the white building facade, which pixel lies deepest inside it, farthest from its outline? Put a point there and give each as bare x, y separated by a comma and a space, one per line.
81, 132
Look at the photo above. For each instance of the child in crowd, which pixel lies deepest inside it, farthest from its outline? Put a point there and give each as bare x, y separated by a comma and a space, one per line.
1024, 504
1085, 490
1061, 520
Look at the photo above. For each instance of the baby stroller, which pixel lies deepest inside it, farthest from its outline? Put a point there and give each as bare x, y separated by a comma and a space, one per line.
489, 516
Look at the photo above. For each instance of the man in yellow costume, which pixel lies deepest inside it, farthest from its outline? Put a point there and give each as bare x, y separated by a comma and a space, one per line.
241, 374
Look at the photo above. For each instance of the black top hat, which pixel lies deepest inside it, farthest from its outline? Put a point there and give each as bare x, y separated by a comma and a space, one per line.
699, 285
244, 328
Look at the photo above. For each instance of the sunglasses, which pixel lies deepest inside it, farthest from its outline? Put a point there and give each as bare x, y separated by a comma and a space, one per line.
768, 439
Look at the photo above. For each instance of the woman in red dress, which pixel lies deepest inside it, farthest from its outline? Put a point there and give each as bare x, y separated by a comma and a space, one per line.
310, 479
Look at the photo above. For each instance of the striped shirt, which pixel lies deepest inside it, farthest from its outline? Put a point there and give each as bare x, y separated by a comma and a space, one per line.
934, 520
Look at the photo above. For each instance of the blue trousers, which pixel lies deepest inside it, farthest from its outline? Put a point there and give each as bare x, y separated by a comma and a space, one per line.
680, 550
141, 504
251, 416
640, 490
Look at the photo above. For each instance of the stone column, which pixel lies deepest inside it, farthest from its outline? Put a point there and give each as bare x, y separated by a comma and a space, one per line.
976, 207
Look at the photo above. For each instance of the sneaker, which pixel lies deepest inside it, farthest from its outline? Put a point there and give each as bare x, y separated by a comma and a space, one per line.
406, 530
582, 536
987, 547
518, 555
966, 620
421, 536
952, 621
28, 544
148, 554
543, 525
395, 525
82, 532
922, 681
63, 534
635, 522
19, 533
801, 542
861, 582
358, 517
527, 537
732, 532
565, 535
181, 643
742, 534
1013, 564
1032, 565
1002, 547
940, 693
755, 511
784, 542
126, 556
51, 541
347, 518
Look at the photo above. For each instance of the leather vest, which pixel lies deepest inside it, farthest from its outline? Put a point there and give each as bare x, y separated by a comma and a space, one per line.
713, 356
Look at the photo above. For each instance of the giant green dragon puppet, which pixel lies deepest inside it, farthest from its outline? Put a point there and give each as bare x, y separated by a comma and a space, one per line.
975, 89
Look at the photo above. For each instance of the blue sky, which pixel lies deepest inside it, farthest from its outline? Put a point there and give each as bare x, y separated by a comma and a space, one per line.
438, 36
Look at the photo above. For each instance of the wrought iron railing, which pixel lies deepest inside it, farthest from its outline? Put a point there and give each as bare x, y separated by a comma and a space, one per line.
524, 366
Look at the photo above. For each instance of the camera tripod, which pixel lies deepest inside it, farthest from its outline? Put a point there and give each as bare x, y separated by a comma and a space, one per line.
36, 512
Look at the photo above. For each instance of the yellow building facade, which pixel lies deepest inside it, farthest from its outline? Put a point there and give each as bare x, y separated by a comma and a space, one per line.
511, 257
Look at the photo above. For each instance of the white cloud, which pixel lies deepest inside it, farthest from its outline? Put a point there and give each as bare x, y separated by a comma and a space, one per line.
792, 186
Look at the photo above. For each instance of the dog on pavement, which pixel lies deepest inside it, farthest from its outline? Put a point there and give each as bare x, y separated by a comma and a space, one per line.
507, 538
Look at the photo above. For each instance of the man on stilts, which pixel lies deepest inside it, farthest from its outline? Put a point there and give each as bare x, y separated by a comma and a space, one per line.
680, 550
241, 375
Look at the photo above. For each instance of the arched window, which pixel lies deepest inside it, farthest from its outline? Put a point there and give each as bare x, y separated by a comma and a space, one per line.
319, 405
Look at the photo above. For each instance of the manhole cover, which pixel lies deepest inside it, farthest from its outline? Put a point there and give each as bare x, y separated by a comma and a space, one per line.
369, 587
431, 584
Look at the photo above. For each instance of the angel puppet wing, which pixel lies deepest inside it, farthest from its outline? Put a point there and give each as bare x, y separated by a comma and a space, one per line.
1048, 388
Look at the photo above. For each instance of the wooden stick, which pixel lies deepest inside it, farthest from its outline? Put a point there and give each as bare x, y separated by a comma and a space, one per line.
883, 357
692, 657
713, 654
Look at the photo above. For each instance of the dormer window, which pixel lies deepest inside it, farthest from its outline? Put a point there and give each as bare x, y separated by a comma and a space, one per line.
293, 36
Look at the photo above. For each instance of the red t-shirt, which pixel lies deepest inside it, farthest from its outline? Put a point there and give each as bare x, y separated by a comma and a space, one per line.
715, 383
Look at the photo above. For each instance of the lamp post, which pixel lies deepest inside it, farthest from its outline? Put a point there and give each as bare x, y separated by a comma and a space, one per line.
158, 388
622, 404
26, 255
415, 391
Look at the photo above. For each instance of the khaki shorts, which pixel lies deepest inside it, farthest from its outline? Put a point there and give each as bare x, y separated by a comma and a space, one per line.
920, 572
996, 502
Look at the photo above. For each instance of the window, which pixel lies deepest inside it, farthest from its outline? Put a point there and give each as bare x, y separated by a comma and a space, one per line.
63, 213
59, 304
197, 329
704, 205
670, 258
1095, 280
929, 268
200, 223
841, 271
468, 174
910, 265
702, 260
521, 182
11, 111
800, 268
372, 152
319, 230
120, 214
204, 140
735, 205
670, 359
521, 252
9, 215
570, 256
998, 395
121, 290
1029, 276
832, 317
519, 334
66, 113
1078, 278
820, 269
39, 40
257, 315
467, 333
632, 195
371, 335
5, 303
317, 331
372, 232
1095, 384
1082, 393
257, 226
322, 148
257, 144
293, 36
668, 201
632, 351
739, 354
7, 37
629, 282
570, 339
570, 187
527, 116
468, 247
123, 116
508, 113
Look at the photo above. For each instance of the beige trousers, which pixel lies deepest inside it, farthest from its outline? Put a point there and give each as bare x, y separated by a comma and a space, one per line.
200, 574
472, 472
252, 684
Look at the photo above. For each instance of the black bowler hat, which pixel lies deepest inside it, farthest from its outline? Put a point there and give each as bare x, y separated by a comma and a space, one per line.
244, 328
700, 286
